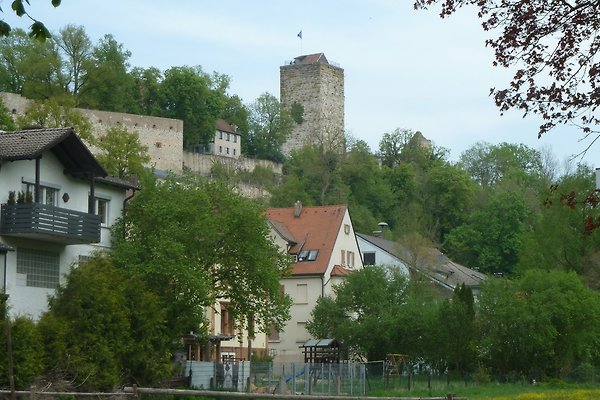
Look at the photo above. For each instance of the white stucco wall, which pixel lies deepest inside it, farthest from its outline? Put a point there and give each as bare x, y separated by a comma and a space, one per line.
382, 257
32, 301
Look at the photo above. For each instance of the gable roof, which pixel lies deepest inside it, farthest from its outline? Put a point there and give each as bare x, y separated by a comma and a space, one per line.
225, 126
316, 228
63, 142
438, 268
311, 59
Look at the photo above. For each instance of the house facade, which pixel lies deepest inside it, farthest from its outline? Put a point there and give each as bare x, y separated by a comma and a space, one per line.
323, 247
57, 207
227, 142
427, 264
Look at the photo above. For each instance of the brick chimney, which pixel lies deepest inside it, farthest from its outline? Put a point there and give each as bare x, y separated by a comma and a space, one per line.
297, 209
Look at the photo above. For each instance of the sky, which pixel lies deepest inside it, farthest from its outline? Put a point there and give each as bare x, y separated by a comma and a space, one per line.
403, 68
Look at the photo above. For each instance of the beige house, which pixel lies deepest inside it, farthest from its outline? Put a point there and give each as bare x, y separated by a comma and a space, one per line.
324, 250
227, 142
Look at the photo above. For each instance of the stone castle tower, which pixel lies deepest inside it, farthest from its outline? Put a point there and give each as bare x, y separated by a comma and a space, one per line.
318, 86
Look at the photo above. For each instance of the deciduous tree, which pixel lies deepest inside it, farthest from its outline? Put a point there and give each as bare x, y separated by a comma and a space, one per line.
197, 242
123, 155
552, 47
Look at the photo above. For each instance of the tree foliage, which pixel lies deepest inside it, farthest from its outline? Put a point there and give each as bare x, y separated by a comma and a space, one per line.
196, 242
552, 46
268, 128
123, 155
37, 29
104, 328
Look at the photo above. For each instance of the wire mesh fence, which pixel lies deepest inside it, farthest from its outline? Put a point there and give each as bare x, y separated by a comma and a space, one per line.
282, 378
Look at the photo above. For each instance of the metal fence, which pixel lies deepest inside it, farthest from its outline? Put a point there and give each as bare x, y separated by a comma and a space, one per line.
289, 378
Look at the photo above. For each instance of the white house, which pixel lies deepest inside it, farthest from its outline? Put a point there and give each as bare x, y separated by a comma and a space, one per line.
430, 265
57, 207
323, 247
227, 141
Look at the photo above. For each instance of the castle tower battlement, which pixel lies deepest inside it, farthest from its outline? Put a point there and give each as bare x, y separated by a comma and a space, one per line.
317, 85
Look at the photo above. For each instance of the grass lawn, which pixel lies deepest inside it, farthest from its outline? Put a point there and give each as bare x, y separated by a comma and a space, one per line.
555, 391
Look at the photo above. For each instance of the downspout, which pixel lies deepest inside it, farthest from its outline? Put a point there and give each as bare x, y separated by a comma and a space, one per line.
127, 198
36, 191
92, 199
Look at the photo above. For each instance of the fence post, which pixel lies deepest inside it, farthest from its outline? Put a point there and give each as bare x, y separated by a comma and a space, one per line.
293, 378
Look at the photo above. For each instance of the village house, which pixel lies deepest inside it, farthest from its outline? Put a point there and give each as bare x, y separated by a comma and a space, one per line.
425, 263
57, 207
323, 248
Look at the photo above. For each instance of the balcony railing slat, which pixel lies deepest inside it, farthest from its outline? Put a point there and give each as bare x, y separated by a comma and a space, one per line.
59, 224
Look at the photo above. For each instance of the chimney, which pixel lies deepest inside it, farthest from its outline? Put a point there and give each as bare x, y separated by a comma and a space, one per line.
598, 178
297, 209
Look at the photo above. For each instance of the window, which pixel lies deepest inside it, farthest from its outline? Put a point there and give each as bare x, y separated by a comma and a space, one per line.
220, 149
308, 255
226, 320
343, 257
227, 150
220, 135
39, 268
346, 229
234, 152
350, 258
48, 195
234, 138
102, 210
301, 293
228, 137
273, 334
369, 258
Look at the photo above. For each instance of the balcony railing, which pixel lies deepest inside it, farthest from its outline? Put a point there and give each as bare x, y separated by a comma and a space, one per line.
49, 223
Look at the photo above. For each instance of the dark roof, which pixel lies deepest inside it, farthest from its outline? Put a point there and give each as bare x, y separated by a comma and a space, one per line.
225, 126
63, 142
436, 266
117, 182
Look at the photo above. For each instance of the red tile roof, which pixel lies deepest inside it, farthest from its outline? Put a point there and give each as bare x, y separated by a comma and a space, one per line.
315, 229
338, 270
311, 59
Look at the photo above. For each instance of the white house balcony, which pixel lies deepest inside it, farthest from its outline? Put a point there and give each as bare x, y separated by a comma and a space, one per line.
49, 223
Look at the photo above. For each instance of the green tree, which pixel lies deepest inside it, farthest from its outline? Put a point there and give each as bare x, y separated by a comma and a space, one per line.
558, 239
491, 239
374, 312
123, 155
12, 56
29, 67
57, 113
77, 48
104, 329
269, 127
37, 29
542, 324
456, 334
551, 47
7, 123
147, 95
195, 242
108, 83
312, 177
27, 351
195, 97
489, 164
391, 145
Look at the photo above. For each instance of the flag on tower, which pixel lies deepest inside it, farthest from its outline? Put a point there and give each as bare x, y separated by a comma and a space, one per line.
299, 34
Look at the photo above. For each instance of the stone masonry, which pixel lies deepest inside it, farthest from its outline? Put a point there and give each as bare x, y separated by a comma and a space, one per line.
318, 86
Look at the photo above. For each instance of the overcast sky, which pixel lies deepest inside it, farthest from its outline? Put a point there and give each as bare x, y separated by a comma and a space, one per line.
403, 68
